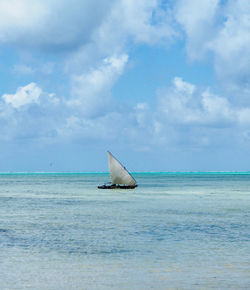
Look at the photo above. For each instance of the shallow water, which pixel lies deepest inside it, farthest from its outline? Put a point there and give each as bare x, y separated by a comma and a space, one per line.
175, 231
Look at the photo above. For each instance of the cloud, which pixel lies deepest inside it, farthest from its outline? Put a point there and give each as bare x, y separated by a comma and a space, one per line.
23, 96
231, 46
39, 23
30, 115
198, 20
221, 30
91, 91
190, 116
144, 20
184, 103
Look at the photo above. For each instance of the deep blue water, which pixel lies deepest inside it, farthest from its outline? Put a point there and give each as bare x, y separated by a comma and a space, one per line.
175, 231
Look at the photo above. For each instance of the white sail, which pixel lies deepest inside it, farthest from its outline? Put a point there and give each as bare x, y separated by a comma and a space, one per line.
118, 173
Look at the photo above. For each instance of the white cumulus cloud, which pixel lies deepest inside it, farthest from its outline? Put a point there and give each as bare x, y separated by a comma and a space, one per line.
185, 103
23, 96
187, 115
91, 90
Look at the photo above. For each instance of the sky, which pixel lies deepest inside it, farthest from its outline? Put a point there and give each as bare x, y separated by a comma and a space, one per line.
164, 85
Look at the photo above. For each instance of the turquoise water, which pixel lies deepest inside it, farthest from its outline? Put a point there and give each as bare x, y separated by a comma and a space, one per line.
175, 231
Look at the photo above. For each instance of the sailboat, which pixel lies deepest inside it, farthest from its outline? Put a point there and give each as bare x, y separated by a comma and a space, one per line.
119, 176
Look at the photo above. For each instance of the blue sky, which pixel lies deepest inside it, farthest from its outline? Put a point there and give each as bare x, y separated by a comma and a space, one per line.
163, 85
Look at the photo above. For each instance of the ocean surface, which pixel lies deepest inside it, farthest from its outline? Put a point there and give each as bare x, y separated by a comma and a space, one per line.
175, 231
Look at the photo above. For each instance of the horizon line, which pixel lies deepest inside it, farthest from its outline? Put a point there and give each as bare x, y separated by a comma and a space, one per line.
133, 172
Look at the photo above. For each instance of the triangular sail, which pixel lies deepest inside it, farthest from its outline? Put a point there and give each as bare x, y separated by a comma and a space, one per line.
118, 173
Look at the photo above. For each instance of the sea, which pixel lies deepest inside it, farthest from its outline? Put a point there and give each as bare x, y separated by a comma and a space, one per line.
174, 231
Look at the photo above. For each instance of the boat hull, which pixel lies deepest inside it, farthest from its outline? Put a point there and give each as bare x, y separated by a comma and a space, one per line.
115, 186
